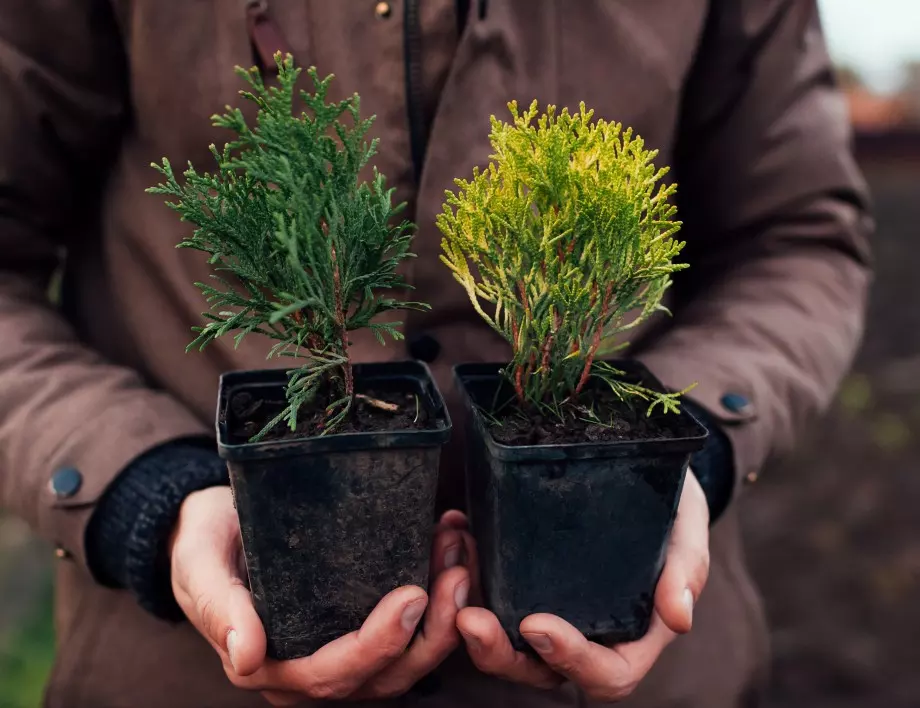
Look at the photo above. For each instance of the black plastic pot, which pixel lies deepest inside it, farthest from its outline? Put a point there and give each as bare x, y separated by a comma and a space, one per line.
575, 530
331, 524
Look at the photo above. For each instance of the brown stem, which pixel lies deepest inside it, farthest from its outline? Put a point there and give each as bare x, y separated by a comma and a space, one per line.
596, 343
594, 292
524, 301
519, 385
340, 320
586, 372
548, 345
349, 380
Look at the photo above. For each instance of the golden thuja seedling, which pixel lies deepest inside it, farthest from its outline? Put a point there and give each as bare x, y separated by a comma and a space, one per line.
566, 239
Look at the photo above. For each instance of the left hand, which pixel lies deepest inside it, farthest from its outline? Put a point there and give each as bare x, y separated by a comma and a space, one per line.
379, 660
604, 674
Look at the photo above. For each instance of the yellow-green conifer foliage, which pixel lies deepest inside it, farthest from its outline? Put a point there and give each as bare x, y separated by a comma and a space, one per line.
568, 230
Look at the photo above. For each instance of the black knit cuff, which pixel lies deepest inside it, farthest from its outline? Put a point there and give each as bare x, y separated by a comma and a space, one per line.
713, 466
127, 535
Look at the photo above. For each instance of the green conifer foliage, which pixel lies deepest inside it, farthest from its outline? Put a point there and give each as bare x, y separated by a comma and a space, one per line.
566, 232
303, 251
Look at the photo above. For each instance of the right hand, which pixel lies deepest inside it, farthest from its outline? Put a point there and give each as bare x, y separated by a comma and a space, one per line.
372, 662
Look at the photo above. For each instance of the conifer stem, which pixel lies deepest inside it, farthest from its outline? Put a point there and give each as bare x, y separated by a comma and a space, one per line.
519, 385
589, 361
347, 372
596, 343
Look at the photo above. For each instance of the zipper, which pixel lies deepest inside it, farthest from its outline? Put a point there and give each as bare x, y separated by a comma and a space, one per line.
412, 52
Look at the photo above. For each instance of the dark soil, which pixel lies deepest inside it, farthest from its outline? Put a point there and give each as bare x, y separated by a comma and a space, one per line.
514, 427
250, 413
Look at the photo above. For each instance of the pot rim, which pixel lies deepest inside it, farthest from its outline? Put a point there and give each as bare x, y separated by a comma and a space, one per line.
651, 447
337, 442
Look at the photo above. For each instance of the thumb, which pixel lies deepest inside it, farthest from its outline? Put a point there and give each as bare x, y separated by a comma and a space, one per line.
207, 581
244, 638
687, 565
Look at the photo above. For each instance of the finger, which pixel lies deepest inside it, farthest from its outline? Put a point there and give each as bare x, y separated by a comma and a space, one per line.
687, 566
470, 559
220, 607
491, 651
446, 551
454, 519
209, 590
439, 637
605, 674
341, 667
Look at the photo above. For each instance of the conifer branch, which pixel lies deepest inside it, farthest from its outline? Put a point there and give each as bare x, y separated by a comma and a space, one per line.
302, 249
567, 233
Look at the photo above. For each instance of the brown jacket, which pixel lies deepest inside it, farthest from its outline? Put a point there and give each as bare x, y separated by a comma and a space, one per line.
737, 95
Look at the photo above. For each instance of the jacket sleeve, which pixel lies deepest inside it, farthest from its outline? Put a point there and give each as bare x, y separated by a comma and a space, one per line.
769, 314
62, 407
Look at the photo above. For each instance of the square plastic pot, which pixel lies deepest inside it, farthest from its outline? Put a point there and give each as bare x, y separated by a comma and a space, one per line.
575, 530
330, 524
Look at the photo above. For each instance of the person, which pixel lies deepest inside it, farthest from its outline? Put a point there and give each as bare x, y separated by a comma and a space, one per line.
105, 423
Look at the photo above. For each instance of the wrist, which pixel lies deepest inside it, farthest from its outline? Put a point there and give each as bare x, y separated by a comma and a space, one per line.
713, 466
131, 535
197, 504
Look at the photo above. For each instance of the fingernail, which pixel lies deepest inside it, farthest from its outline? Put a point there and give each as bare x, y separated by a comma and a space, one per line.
541, 642
413, 613
461, 593
452, 556
688, 603
231, 647
472, 641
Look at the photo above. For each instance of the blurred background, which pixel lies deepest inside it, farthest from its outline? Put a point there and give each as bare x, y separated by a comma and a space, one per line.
834, 532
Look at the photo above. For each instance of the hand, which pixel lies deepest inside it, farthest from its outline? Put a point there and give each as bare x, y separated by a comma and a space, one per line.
604, 674
207, 579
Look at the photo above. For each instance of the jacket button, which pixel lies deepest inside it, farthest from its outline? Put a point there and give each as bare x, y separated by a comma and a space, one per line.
382, 10
735, 402
424, 347
66, 482
61, 553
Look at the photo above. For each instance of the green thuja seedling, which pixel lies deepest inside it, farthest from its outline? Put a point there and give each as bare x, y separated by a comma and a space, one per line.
566, 239
303, 251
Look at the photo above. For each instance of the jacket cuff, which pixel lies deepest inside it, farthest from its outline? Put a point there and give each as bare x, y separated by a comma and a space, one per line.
723, 399
713, 466
128, 533
134, 422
